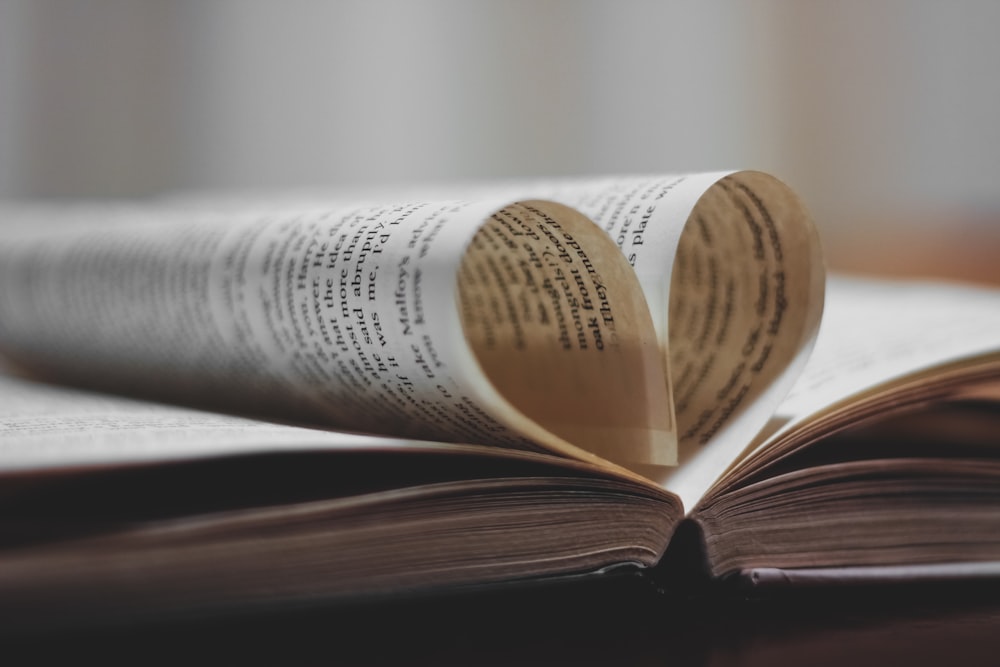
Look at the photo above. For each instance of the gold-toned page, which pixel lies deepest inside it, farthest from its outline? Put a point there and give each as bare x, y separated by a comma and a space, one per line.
560, 327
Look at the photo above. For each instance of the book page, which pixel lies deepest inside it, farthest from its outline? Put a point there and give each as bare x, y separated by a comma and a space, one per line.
348, 318
566, 337
45, 426
886, 347
875, 331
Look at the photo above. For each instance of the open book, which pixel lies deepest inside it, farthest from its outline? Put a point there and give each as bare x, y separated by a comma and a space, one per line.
209, 406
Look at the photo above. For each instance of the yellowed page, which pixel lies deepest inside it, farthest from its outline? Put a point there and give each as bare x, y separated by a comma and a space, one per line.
561, 330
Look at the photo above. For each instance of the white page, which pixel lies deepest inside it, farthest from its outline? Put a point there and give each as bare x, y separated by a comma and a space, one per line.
49, 427
874, 331
875, 335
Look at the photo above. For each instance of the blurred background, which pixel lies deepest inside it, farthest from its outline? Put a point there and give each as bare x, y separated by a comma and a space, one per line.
883, 114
